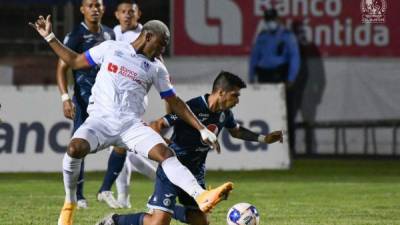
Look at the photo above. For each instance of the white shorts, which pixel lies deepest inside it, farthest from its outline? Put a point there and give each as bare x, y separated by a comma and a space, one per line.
137, 137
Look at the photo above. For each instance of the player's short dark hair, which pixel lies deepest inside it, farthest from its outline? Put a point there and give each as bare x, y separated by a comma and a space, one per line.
126, 2
227, 81
102, 2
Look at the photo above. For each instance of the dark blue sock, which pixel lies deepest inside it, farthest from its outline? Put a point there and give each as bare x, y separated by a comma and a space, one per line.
180, 214
79, 189
129, 219
115, 165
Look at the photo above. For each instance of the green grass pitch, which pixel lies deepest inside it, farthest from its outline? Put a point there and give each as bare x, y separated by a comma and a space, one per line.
313, 192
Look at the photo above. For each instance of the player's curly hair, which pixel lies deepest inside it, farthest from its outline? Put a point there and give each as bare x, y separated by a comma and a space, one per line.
227, 81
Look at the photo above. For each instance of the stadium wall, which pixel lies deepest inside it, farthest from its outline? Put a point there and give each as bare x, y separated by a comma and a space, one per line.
34, 134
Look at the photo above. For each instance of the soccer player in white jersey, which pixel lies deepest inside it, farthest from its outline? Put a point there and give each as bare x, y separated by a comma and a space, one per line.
116, 106
119, 170
128, 15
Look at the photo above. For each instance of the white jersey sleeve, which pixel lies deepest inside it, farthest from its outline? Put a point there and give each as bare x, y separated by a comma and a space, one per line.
95, 55
162, 82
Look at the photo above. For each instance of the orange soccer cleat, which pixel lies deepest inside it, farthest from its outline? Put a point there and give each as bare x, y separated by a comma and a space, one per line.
67, 214
210, 198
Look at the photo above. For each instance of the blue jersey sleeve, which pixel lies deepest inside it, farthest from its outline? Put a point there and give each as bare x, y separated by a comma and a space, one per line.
230, 121
171, 119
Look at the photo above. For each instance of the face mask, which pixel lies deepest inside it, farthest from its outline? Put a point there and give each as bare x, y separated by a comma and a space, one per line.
271, 25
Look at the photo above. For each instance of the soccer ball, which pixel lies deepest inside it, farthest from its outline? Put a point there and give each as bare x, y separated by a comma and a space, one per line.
243, 214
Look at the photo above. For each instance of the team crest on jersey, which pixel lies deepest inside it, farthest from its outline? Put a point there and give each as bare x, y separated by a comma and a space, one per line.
167, 202
145, 66
222, 117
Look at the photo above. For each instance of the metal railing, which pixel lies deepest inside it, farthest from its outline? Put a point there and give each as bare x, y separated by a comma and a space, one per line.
340, 138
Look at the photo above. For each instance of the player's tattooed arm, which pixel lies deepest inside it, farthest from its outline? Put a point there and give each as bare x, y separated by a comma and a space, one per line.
73, 59
248, 135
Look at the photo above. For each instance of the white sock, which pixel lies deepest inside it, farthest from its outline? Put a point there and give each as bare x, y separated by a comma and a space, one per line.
123, 181
71, 168
142, 165
181, 176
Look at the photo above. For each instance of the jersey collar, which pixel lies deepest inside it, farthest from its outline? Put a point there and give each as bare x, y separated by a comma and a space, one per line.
205, 100
87, 28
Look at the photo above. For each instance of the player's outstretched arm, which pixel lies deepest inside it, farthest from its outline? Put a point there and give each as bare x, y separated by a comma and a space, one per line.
180, 108
73, 59
248, 135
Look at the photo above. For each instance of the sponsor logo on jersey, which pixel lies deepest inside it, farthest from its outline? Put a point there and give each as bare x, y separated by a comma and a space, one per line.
112, 68
125, 72
204, 114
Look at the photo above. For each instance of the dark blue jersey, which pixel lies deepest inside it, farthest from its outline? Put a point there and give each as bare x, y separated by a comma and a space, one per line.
80, 40
187, 142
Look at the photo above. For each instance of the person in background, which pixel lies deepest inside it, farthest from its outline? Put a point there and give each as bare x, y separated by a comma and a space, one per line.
87, 34
275, 58
128, 14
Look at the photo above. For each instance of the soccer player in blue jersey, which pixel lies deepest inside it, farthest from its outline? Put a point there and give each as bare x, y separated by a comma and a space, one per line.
87, 34
214, 112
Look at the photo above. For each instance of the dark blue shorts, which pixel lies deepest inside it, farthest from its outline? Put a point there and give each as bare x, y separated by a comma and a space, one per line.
165, 194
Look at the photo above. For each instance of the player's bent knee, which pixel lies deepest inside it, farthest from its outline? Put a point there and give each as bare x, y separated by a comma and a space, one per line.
119, 150
78, 148
160, 152
157, 218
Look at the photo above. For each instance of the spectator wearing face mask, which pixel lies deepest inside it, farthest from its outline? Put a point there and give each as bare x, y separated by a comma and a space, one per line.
275, 54
275, 58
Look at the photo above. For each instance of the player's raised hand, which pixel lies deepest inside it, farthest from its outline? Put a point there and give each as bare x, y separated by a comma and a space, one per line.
210, 138
42, 25
274, 137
